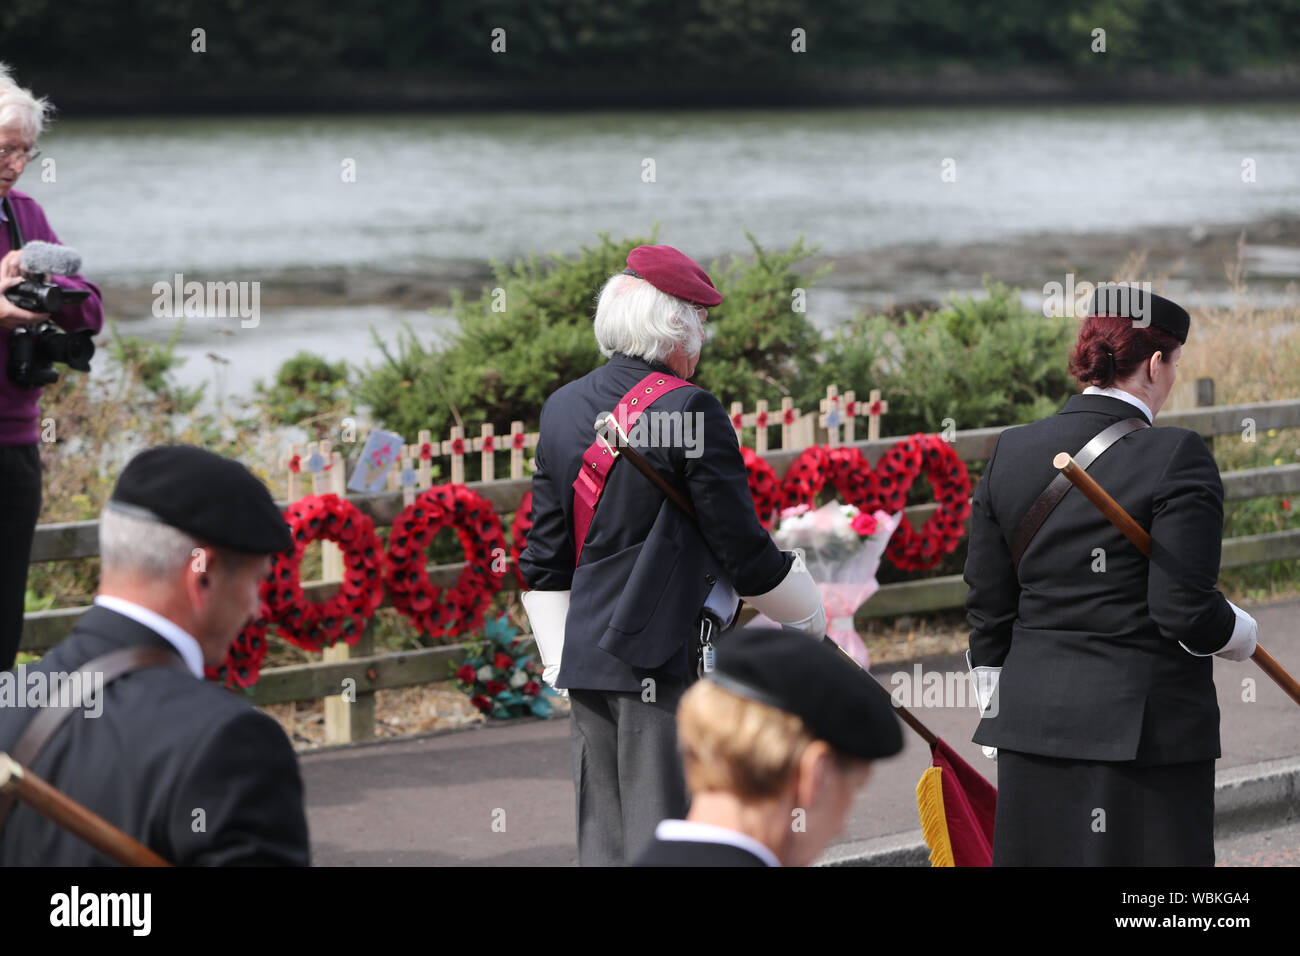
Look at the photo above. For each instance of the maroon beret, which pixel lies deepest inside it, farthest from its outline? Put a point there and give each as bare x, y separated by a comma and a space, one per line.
673, 272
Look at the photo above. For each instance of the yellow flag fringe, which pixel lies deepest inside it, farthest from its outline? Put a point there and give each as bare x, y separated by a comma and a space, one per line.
934, 825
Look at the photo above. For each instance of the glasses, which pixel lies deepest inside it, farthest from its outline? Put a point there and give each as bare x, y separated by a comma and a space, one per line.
9, 154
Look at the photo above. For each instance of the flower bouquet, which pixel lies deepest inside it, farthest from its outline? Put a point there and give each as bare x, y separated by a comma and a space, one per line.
501, 680
841, 547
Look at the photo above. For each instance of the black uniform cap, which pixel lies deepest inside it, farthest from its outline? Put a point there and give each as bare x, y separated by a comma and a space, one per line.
1131, 302
815, 681
215, 499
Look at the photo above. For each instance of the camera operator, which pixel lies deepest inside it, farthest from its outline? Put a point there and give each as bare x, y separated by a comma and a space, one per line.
22, 117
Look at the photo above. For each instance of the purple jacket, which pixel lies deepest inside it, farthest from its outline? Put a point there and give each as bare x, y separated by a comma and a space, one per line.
19, 414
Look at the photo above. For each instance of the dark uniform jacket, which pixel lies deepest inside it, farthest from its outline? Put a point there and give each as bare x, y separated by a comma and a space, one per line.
695, 853
1091, 663
165, 745
645, 570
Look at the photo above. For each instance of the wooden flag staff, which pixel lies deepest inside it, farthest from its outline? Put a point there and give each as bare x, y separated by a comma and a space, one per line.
1121, 519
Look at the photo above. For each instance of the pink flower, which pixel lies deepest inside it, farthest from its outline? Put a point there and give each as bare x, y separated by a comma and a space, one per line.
795, 510
864, 523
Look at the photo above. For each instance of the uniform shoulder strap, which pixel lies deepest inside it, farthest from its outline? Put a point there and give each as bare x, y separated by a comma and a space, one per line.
597, 460
41, 728
1055, 491
16, 240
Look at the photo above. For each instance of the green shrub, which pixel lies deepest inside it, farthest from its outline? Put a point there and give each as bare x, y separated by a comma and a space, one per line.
978, 361
308, 390
500, 365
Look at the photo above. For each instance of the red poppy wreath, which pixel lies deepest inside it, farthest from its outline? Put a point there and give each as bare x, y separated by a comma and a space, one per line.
519, 533
243, 663
885, 487
425, 604
312, 625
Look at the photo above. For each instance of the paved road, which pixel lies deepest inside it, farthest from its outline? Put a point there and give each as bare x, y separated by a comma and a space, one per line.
503, 794
1277, 846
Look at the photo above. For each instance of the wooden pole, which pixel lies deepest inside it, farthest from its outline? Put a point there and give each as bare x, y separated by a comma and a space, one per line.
1141, 539
72, 816
909, 718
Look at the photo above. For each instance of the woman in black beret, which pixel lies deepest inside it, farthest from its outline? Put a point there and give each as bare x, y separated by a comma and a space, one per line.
1093, 663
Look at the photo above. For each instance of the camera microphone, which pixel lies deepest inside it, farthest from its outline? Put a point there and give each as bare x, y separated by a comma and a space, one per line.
47, 258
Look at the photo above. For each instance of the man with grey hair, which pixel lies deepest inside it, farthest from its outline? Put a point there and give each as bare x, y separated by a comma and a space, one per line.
627, 593
22, 118
178, 763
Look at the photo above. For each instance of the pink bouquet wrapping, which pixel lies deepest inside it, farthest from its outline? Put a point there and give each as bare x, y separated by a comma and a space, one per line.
842, 548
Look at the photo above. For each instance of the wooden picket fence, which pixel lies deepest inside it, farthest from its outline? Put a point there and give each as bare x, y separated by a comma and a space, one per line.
833, 423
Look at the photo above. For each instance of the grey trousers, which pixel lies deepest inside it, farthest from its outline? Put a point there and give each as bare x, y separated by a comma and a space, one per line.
627, 774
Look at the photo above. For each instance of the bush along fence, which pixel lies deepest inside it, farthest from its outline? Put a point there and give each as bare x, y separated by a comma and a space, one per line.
818, 453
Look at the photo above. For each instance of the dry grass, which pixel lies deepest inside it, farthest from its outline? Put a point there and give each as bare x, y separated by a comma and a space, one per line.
1251, 351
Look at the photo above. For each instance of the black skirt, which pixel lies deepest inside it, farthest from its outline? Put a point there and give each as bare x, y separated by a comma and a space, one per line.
1056, 812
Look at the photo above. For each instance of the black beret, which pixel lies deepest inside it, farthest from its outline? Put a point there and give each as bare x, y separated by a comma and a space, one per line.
801, 675
1132, 302
212, 498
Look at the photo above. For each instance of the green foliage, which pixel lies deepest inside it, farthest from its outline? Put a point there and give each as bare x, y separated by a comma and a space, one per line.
296, 44
511, 349
758, 345
520, 340
307, 390
149, 364
979, 362
38, 602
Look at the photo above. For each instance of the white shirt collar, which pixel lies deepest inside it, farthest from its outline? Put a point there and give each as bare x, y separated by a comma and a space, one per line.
173, 633
692, 832
1123, 396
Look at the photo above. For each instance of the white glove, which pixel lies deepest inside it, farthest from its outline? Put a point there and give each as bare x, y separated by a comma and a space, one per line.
795, 602
547, 611
985, 680
1245, 634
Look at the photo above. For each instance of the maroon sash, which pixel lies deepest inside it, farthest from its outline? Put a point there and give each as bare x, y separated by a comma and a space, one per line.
597, 459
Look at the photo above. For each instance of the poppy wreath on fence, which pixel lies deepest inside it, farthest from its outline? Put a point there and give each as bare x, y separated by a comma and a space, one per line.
847, 470
523, 520
243, 663
435, 611
764, 486
312, 625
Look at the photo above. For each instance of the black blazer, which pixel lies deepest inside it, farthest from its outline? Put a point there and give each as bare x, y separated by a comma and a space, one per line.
695, 853
1091, 663
165, 746
645, 569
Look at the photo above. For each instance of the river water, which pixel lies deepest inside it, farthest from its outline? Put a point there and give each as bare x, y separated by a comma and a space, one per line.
144, 199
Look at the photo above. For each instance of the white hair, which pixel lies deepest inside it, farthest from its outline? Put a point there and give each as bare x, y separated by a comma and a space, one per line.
635, 318
19, 109
138, 546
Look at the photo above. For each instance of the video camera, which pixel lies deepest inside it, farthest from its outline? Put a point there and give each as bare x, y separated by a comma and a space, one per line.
33, 350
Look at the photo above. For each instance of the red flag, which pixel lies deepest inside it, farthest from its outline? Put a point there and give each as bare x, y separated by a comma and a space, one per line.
957, 807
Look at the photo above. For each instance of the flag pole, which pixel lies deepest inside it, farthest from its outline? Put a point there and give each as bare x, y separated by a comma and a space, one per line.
1141, 540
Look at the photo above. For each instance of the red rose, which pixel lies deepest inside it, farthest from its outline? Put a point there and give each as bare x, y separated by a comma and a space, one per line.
864, 523
466, 674
495, 687
503, 661
482, 703
532, 688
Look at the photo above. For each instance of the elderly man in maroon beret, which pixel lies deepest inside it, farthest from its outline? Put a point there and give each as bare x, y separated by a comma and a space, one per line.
627, 593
